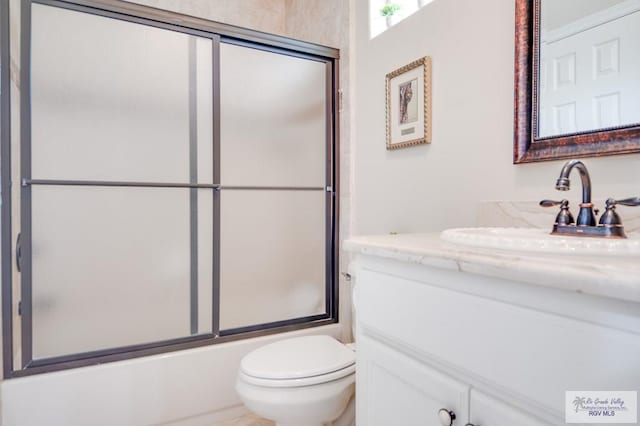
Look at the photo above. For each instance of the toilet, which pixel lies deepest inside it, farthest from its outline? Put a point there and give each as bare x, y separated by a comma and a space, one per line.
302, 381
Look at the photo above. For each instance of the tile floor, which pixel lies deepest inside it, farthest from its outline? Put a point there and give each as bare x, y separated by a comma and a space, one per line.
248, 420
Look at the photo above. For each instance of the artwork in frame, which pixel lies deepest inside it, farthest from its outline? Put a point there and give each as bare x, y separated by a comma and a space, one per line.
409, 104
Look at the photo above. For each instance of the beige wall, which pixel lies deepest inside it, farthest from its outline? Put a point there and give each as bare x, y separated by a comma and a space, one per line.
438, 186
262, 15
319, 21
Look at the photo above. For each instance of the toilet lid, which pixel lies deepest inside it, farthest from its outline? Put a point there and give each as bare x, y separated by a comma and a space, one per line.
298, 357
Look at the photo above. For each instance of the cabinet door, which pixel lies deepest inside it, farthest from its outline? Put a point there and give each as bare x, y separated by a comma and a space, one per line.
395, 389
488, 411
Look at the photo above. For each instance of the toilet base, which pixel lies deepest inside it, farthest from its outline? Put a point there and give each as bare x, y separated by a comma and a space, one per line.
301, 406
347, 418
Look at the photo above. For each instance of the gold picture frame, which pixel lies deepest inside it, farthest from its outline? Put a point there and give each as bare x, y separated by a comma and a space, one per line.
408, 105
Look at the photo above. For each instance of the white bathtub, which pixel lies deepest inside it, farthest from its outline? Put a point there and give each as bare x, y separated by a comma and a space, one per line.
191, 387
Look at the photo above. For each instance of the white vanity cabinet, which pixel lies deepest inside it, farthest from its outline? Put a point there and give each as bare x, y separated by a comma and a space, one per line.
395, 389
494, 351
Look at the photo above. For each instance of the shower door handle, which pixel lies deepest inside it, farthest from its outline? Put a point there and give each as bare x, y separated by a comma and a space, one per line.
19, 252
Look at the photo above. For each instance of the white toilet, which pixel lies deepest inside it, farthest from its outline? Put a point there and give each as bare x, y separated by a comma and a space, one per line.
302, 381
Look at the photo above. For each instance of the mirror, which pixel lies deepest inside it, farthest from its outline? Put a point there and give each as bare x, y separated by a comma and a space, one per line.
577, 85
589, 66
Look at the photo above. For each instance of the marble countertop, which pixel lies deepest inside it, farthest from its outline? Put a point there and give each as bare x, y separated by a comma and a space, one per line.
617, 278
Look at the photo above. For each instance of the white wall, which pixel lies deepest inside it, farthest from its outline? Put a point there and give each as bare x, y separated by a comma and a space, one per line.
438, 186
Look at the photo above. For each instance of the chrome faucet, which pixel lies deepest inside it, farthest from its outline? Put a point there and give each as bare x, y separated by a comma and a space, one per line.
586, 217
610, 225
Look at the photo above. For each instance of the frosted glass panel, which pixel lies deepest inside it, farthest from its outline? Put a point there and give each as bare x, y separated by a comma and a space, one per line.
272, 118
111, 267
205, 261
114, 100
202, 104
272, 256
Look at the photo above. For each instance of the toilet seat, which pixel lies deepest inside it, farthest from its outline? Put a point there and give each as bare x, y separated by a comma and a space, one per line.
304, 381
301, 361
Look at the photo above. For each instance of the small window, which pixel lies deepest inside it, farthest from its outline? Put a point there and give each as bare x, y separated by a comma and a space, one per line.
386, 13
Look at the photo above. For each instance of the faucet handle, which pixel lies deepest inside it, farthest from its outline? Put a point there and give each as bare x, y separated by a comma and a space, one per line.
610, 217
631, 202
564, 217
551, 203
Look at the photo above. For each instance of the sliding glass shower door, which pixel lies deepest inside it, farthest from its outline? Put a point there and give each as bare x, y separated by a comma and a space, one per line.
121, 135
176, 186
274, 201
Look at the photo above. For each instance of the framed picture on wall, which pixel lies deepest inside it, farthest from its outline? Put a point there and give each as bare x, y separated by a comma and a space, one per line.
409, 104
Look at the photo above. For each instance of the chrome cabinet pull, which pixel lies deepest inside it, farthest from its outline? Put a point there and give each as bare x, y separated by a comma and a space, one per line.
446, 417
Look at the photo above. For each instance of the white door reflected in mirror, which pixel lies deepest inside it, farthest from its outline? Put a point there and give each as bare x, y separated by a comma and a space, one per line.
589, 65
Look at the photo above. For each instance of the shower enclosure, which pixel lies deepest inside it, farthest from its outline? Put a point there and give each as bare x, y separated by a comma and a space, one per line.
176, 186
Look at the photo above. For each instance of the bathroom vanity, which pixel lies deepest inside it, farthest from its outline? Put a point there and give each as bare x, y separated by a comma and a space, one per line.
454, 334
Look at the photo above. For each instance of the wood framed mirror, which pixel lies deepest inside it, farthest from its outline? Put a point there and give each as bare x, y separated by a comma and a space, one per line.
577, 79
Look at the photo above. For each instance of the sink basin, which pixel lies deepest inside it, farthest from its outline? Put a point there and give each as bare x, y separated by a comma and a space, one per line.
540, 240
